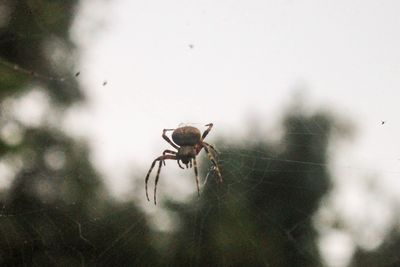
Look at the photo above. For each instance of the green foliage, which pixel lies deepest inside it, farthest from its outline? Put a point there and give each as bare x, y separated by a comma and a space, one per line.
32, 26
385, 255
57, 211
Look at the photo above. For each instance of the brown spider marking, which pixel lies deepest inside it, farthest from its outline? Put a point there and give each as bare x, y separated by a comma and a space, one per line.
188, 141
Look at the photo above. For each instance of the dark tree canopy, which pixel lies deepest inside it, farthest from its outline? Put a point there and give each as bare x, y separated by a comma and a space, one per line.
56, 211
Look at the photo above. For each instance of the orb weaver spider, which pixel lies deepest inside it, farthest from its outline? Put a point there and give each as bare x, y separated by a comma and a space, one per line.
188, 141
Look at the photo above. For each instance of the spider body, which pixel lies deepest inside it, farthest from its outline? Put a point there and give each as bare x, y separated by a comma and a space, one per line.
188, 141
186, 153
186, 136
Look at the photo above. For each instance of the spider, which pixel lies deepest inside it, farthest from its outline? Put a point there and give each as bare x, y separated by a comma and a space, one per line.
189, 142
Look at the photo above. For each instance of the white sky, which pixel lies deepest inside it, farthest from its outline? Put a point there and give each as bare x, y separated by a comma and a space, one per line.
247, 58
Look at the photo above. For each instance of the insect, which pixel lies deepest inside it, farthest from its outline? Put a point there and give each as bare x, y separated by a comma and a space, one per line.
188, 141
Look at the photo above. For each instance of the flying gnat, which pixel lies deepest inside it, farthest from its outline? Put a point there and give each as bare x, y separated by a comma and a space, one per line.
104, 83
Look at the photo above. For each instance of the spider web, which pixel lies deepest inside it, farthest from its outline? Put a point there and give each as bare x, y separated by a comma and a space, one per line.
266, 187
251, 171
237, 168
253, 215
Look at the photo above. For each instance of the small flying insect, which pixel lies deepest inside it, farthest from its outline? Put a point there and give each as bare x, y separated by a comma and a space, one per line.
188, 141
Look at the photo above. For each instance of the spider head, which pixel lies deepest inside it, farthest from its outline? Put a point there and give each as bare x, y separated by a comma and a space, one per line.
186, 153
185, 160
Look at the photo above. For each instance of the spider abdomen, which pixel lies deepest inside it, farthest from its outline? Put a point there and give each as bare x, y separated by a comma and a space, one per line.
186, 136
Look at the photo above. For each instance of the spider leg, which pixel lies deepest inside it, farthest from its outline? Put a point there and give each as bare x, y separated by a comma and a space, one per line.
212, 147
211, 158
148, 174
174, 153
210, 125
180, 166
160, 159
169, 152
166, 138
197, 175
155, 185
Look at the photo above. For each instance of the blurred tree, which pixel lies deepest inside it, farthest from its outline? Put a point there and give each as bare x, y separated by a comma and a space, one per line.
262, 214
34, 41
386, 255
56, 212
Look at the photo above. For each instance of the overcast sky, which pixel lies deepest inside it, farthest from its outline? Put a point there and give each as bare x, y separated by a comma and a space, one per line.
172, 62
